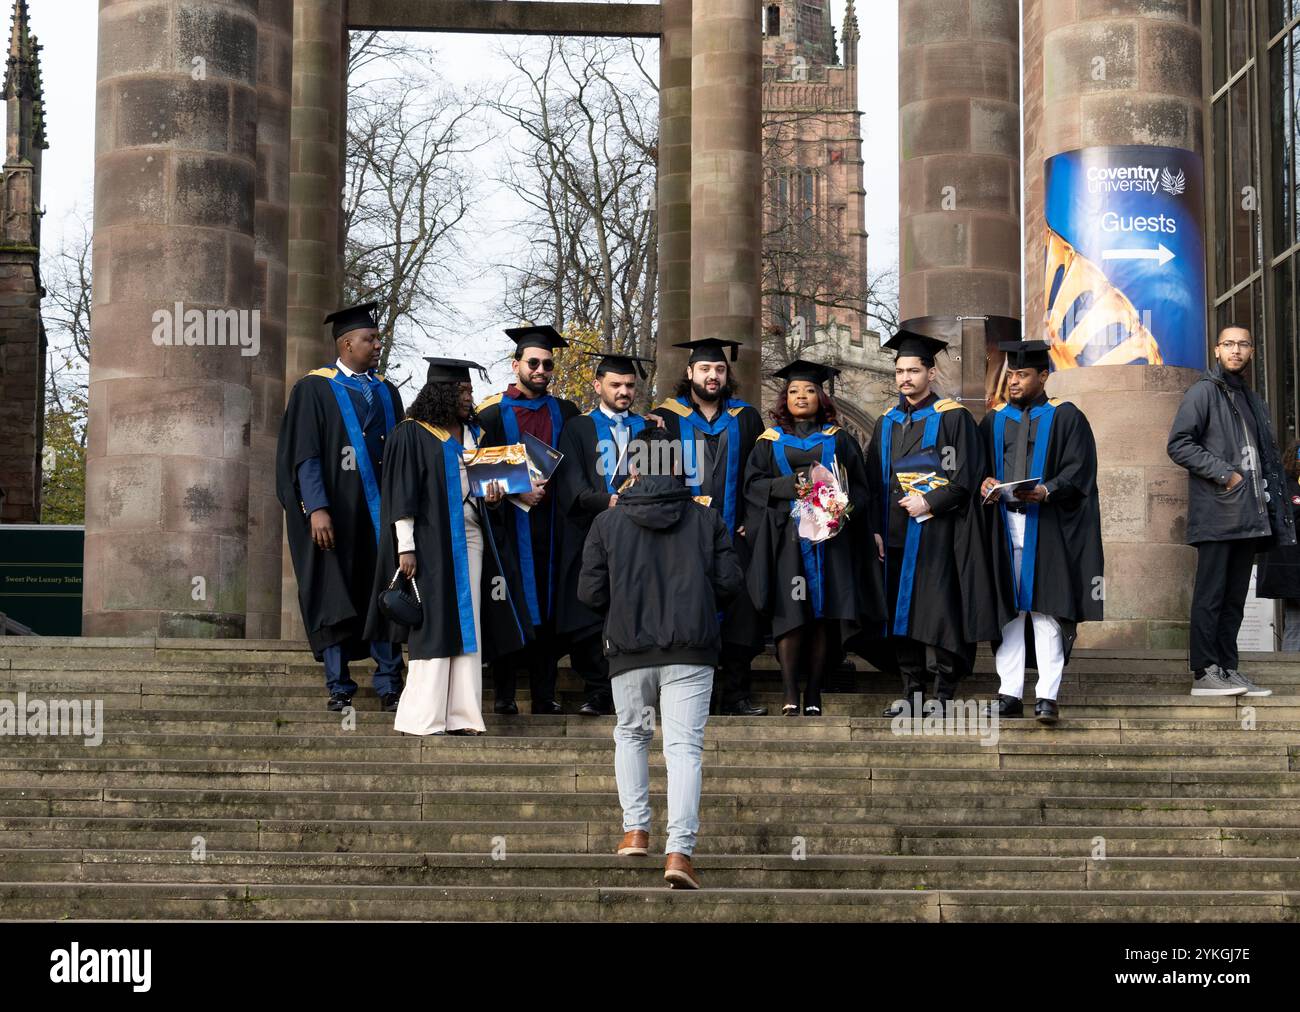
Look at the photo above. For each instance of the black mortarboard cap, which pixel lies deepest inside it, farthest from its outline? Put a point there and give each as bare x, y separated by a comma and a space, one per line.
813, 372
906, 344
1027, 354
451, 370
360, 317
529, 336
621, 364
709, 349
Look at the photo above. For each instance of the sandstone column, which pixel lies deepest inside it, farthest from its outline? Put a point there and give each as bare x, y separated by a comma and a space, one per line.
674, 217
167, 460
271, 228
1150, 93
315, 222
959, 153
727, 177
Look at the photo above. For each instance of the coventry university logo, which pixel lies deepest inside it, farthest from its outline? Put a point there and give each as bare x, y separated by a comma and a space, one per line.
1135, 179
1173, 185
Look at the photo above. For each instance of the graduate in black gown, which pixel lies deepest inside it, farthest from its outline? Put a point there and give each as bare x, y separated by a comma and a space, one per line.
716, 431
594, 466
535, 537
1047, 539
329, 468
450, 542
942, 592
814, 593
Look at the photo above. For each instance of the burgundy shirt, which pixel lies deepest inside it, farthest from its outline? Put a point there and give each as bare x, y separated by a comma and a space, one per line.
537, 422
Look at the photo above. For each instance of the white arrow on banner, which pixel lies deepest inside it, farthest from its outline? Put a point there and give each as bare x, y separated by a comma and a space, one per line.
1164, 254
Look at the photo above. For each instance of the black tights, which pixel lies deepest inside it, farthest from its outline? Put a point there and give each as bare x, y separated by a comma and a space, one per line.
811, 647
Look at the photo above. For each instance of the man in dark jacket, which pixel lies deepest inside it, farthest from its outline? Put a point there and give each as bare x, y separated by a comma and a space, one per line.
660, 567
1236, 506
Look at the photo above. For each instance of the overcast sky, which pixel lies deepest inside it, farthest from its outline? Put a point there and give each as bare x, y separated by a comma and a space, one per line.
67, 31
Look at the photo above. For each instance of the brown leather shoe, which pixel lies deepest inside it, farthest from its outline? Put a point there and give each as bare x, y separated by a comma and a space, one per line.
679, 873
635, 844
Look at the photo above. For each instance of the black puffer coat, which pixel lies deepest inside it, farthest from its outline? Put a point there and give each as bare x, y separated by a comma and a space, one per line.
660, 567
1210, 438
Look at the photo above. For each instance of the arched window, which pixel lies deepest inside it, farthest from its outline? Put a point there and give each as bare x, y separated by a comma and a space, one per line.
773, 20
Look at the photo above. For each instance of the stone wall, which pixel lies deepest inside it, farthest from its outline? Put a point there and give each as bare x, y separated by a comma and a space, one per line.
22, 387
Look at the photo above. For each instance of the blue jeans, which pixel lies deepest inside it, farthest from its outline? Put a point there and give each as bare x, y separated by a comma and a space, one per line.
388, 673
684, 691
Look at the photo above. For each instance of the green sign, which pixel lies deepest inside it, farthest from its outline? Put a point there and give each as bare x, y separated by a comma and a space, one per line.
40, 576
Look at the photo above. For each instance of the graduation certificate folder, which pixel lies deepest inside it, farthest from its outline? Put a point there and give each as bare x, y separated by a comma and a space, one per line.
506, 464
542, 462
920, 473
1008, 489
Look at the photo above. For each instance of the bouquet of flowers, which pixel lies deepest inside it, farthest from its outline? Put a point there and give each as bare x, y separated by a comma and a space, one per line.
821, 505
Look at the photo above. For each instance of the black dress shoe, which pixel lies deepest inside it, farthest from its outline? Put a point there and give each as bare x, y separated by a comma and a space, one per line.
1006, 706
506, 706
589, 709
339, 701
550, 708
743, 708
1046, 711
902, 707
389, 701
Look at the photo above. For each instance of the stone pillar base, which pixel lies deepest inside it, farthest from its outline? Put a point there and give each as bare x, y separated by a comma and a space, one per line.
1149, 567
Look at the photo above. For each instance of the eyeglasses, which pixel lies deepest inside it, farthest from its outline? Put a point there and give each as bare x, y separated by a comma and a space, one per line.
545, 364
1229, 345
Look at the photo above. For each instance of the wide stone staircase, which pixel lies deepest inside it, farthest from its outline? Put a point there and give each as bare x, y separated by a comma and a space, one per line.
223, 789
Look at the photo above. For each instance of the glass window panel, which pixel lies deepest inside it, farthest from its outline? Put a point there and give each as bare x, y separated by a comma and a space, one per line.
1222, 187
1281, 13
1218, 42
1284, 312
1242, 154
1241, 36
1282, 125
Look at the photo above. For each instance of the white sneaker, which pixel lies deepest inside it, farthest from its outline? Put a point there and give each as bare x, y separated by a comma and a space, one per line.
1237, 678
1213, 681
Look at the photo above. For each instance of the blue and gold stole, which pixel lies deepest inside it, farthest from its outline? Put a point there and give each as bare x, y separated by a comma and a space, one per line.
931, 416
813, 554
452, 451
510, 424
340, 385
728, 419
1043, 413
607, 445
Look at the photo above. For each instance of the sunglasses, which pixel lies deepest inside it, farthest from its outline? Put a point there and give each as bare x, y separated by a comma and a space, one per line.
545, 364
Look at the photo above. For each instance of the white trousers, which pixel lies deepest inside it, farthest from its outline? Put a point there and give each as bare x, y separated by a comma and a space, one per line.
446, 693
1049, 645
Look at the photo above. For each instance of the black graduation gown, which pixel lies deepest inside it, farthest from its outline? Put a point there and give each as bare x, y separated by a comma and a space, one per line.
333, 587
955, 600
742, 626
417, 478
581, 491
545, 536
1063, 544
851, 585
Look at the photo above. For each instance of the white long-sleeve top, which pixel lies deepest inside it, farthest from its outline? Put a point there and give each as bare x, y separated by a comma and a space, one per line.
405, 526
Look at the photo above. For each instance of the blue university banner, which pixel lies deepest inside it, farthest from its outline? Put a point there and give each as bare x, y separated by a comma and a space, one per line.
1125, 268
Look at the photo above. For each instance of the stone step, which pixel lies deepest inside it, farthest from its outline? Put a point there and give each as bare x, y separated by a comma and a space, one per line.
181, 901
383, 743
566, 777
414, 836
564, 870
318, 723
291, 651
1118, 841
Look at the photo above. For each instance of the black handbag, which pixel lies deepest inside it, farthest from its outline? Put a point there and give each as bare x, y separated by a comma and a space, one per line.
401, 607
